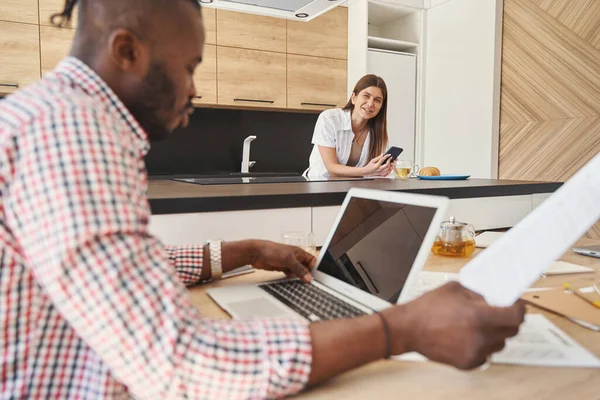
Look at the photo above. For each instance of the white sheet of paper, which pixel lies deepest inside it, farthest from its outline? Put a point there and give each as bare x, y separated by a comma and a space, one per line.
485, 239
539, 343
429, 280
245, 269
507, 268
563, 267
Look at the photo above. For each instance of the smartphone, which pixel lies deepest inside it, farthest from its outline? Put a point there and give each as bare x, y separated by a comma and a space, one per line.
394, 152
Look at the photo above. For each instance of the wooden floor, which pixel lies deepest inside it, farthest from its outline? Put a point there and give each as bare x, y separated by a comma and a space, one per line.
550, 105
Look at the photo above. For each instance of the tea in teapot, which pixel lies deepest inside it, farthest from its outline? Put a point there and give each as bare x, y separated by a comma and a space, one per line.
456, 239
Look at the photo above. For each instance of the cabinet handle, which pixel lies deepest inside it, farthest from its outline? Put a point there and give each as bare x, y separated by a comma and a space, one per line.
318, 104
13, 85
256, 101
197, 97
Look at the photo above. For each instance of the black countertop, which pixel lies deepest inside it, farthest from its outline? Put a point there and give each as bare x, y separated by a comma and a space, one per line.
171, 197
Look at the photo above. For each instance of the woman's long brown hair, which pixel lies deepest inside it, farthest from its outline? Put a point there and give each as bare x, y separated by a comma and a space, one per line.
377, 125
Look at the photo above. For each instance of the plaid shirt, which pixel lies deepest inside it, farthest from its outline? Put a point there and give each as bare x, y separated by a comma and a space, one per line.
90, 304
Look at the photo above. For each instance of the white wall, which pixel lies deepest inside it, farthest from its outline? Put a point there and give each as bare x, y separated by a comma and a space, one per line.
357, 41
460, 118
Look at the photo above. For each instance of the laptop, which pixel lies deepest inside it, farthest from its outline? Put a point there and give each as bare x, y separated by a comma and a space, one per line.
592, 251
370, 260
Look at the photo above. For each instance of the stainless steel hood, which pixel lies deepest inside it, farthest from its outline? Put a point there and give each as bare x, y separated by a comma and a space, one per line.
299, 10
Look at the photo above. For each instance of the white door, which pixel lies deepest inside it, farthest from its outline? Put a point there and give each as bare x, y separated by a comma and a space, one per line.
399, 70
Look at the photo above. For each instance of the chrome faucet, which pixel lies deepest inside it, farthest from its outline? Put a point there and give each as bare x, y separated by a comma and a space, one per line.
246, 163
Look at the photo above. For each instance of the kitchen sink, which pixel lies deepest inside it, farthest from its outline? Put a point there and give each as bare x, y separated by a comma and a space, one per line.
239, 178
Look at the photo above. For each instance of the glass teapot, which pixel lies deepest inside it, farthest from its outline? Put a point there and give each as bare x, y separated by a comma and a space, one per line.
456, 239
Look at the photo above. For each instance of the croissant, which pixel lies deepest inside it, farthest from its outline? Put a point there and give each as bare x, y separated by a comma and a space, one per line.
429, 171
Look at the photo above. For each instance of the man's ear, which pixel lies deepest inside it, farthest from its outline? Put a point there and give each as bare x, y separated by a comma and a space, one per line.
353, 98
128, 52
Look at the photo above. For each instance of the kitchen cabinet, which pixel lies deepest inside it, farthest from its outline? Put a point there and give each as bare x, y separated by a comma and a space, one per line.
491, 212
209, 16
50, 7
178, 229
315, 83
323, 219
324, 36
19, 55
25, 11
399, 70
482, 212
205, 77
251, 77
55, 45
251, 31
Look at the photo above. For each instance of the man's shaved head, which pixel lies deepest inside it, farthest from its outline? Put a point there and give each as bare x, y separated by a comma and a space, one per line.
146, 51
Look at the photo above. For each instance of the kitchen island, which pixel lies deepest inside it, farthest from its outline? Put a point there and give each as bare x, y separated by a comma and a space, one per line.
188, 213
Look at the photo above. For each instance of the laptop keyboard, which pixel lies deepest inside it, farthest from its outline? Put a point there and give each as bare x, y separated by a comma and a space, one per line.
309, 301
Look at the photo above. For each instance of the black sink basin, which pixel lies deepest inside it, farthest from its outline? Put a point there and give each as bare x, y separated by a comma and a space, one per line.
259, 174
226, 175
234, 180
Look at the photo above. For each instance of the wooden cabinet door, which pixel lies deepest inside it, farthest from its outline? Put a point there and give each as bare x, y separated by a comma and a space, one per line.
251, 31
210, 25
316, 83
55, 45
324, 36
251, 77
19, 55
50, 7
19, 11
205, 77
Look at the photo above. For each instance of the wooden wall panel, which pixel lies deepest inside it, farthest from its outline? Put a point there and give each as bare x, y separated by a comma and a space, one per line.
550, 105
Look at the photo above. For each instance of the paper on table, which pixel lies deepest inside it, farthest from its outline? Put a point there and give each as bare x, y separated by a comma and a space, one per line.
539, 343
245, 269
428, 280
508, 267
485, 239
562, 267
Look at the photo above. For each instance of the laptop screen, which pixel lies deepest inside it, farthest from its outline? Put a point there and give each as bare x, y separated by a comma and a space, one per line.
375, 245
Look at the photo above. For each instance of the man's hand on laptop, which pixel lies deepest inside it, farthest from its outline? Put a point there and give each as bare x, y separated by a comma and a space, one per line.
292, 260
262, 254
453, 325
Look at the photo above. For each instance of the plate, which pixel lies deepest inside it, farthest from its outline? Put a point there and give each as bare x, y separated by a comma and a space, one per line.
444, 177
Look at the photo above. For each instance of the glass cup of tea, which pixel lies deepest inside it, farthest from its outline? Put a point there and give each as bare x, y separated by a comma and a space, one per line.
405, 169
302, 239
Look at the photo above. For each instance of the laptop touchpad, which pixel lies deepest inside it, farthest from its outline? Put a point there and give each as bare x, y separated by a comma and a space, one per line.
259, 307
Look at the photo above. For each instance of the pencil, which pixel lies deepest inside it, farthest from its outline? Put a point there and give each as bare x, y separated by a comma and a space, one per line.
595, 303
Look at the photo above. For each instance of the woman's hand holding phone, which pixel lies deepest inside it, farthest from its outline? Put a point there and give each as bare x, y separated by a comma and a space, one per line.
379, 166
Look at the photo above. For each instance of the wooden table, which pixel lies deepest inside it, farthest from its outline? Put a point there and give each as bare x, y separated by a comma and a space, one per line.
418, 380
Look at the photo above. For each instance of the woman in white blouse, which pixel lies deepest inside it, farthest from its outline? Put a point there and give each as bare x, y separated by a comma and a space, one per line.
350, 141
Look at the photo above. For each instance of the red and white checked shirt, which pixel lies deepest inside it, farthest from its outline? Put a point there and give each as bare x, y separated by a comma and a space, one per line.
91, 304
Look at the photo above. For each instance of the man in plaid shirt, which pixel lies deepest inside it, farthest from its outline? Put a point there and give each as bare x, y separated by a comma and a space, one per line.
93, 306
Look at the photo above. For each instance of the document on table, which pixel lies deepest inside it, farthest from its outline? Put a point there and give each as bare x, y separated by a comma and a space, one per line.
485, 239
539, 343
510, 265
429, 280
565, 268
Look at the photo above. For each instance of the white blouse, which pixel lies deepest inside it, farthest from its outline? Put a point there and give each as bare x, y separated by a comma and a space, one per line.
334, 129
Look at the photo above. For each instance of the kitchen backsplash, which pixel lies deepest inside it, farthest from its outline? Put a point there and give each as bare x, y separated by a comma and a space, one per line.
213, 140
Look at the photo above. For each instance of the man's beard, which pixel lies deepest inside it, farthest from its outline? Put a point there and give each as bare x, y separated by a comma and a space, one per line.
156, 96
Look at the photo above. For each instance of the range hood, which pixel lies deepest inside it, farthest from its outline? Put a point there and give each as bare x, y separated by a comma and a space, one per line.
299, 10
